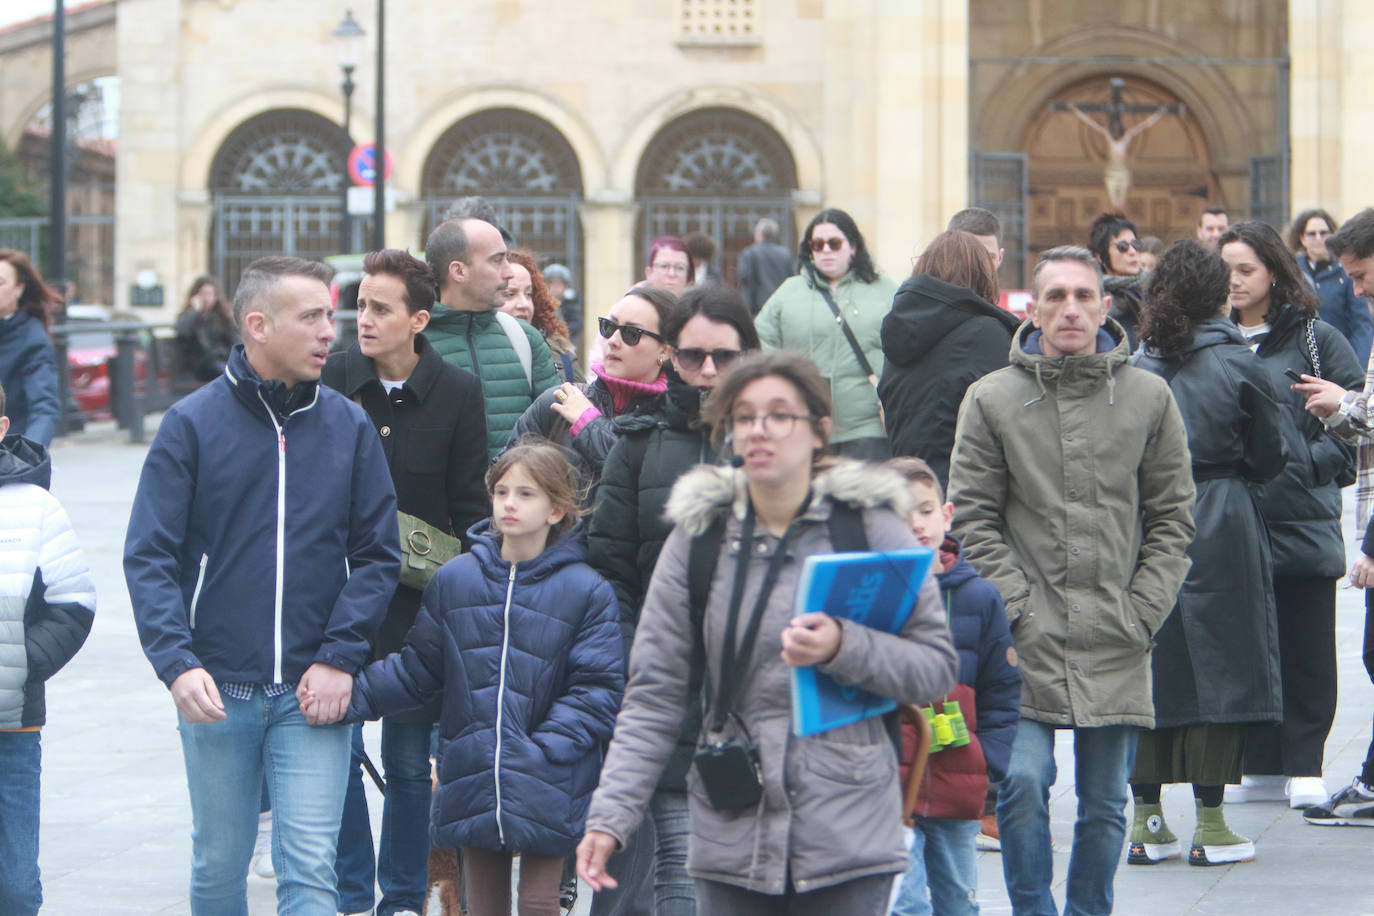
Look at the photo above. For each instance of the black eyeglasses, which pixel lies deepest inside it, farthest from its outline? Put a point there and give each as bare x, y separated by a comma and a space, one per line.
835, 243
693, 358
628, 333
1123, 244
776, 425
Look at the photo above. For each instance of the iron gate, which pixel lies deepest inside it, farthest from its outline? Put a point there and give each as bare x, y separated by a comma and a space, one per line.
728, 220
1001, 185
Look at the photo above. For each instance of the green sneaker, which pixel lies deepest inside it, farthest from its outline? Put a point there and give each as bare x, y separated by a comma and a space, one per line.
1151, 840
1214, 843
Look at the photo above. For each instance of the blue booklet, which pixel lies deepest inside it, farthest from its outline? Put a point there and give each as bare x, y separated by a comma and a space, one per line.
876, 589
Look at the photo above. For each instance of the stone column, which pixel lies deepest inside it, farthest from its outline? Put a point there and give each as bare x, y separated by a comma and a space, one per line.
148, 36
896, 120
1355, 26
608, 226
1332, 109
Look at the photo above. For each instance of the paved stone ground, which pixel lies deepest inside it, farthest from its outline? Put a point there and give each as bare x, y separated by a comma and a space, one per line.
116, 820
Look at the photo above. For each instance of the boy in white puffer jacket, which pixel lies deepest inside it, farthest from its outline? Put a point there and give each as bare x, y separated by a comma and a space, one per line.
47, 602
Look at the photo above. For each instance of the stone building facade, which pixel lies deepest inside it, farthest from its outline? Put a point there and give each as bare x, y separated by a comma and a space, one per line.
595, 126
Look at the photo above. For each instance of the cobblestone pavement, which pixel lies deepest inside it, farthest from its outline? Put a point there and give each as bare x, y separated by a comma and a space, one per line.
116, 820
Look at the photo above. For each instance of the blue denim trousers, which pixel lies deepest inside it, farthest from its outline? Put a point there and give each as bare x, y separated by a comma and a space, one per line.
942, 876
1103, 758
403, 851
675, 893
21, 893
306, 769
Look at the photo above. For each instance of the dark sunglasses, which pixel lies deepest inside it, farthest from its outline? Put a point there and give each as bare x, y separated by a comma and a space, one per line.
835, 243
693, 358
1122, 245
628, 333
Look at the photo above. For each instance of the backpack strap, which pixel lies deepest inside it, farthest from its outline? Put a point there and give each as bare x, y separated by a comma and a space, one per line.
702, 559
847, 533
520, 344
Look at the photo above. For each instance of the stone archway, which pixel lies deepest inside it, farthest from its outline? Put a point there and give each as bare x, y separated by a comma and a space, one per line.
717, 171
275, 183
524, 167
1172, 177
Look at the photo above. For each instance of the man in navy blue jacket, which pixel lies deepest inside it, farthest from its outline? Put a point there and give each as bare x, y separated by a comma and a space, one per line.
261, 553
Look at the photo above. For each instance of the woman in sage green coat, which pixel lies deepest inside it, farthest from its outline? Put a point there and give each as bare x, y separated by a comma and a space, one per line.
796, 317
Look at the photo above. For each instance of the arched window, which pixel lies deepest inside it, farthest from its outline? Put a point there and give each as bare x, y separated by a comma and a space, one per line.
717, 171
524, 167
276, 183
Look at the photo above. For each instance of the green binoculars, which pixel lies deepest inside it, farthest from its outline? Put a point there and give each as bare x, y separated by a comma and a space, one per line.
947, 729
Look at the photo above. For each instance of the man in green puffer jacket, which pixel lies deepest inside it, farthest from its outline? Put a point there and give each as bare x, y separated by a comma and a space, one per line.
468, 258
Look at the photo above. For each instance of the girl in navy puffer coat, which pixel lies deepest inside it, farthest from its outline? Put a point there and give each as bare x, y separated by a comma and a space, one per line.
521, 640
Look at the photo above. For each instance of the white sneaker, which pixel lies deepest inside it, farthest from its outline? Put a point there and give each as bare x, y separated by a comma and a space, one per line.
1306, 791
262, 849
1259, 789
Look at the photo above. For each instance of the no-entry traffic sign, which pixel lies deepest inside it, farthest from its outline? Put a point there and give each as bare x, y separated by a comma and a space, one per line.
362, 164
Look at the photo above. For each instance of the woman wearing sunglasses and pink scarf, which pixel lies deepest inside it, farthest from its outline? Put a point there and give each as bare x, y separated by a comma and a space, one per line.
627, 392
836, 264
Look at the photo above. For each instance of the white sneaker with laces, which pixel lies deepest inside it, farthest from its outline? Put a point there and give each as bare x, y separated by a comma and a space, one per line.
262, 849
1258, 789
1306, 791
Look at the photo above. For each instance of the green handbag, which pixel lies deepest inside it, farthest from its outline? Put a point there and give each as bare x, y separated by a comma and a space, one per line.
424, 549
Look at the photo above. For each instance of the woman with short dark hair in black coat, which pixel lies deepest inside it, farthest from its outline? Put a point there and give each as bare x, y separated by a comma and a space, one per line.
708, 331
432, 423
943, 334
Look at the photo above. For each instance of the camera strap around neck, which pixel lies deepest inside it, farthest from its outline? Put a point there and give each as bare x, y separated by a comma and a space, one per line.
736, 654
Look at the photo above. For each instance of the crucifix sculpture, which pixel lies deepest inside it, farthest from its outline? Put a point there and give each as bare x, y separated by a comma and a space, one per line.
1117, 176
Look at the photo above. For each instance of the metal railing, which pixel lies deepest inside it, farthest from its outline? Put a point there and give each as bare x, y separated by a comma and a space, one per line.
144, 372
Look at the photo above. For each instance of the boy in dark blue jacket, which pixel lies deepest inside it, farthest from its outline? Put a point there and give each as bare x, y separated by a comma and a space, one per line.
943, 871
261, 554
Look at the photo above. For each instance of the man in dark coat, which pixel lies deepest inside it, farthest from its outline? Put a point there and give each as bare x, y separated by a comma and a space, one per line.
763, 265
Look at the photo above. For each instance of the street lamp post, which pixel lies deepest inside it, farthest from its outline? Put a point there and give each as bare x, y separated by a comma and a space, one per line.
348, 35
379, 185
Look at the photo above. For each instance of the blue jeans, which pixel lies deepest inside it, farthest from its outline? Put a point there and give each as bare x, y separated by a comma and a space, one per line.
404, 848
633, 867
1103, 758
943, 874
306, 767
21, 756
675, 893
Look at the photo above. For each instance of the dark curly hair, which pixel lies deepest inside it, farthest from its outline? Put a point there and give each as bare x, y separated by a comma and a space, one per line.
1189, 285
545, 319
1104, 228
1289, 285
1299, 226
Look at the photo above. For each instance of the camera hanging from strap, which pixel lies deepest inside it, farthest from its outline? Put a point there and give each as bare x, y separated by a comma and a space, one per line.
729, 769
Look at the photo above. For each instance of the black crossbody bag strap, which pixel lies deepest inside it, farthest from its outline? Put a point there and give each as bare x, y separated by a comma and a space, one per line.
735, 659
864, 364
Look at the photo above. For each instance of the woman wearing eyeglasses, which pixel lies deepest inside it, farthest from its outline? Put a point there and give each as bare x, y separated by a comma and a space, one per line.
824, 835
1340, 307
837, 268
709, 331
585, 420
1112, 240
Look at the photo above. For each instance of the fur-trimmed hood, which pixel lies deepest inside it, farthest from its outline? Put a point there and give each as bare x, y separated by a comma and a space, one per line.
704, 492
